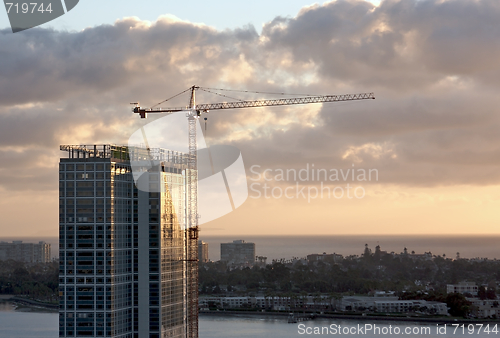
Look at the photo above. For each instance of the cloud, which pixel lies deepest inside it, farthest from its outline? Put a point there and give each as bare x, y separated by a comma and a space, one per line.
432, 64
369, 149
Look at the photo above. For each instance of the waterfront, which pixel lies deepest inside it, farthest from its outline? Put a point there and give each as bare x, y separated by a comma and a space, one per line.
33, 324
277, 247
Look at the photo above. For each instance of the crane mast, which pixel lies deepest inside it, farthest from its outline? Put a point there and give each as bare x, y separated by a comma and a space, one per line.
193, 113
191, 244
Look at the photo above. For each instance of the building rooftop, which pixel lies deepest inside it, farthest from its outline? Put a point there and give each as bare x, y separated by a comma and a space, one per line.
124, 153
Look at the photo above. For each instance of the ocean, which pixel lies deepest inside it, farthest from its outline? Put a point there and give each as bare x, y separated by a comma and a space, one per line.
287, 247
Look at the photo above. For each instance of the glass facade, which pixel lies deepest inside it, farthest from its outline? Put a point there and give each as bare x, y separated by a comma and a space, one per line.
122, 250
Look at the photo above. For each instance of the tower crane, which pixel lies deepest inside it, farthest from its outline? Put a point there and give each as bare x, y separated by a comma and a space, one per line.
193, 113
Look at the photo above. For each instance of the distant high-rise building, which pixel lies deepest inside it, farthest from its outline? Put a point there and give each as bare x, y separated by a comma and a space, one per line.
238, 252
25, 252
123, 250
41, 252
202, 251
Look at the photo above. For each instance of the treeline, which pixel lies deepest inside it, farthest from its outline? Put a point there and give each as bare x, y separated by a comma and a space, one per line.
35, 280
311, 278
352, 275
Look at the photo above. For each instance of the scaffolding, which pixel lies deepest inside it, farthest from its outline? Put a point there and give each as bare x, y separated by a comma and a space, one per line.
192, 283
192, 229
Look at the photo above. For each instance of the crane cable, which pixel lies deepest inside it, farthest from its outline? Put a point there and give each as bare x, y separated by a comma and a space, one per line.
229, 97
204, 89
255, 92
170, 98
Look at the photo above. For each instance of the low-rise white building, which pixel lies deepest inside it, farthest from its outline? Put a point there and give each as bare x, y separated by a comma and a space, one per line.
324, 303
462, 287
485, 308
269, 302
392, 305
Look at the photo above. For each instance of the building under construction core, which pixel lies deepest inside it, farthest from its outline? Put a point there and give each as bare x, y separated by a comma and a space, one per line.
129, 260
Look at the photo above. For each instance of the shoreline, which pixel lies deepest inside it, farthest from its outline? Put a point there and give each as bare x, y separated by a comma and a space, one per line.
25, 305
437, 320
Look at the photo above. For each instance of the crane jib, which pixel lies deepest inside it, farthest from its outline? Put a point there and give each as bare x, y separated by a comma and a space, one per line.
265, 103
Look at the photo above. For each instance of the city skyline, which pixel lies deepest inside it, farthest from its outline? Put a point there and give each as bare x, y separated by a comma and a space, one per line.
431, 134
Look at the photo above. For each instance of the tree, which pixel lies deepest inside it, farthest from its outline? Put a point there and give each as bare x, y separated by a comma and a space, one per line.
377, 254
481, 292
491, 294
367, 253
459, 306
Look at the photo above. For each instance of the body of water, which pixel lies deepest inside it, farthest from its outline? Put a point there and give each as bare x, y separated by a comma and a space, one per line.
277, 247
14, 324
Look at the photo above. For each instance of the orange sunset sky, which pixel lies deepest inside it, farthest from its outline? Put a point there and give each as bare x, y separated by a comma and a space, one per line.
432, 133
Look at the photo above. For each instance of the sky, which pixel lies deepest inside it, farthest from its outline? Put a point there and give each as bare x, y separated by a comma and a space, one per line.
431, 135
220, 14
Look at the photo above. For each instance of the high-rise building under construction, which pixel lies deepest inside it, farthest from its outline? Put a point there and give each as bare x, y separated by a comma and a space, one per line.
127, 257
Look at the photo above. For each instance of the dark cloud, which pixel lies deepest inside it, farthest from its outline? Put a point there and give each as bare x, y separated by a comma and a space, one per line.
398, 45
